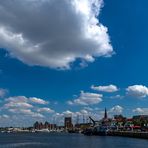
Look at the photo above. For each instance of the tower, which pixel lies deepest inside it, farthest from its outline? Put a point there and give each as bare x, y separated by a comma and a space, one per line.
68, 122
105, 114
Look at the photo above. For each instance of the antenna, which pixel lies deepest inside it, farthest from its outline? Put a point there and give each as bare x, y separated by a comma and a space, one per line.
83, 118
77, 119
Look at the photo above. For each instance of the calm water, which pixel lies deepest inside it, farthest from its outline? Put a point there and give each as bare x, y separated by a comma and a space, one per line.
46, 140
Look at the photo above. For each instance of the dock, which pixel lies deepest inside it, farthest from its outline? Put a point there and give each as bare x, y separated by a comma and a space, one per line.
143, 135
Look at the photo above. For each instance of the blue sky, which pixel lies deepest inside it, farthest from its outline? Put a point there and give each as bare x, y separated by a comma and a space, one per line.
58, 81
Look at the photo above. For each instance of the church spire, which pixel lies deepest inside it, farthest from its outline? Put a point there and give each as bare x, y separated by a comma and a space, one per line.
105, 114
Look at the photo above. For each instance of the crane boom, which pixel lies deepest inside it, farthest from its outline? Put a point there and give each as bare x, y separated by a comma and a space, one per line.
94, 122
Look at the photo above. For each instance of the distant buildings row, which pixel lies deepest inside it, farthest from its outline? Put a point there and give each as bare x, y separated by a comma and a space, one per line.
46, 125
118, 122
68, 125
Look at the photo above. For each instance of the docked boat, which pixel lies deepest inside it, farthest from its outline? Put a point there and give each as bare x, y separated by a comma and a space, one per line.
100, 130
97, 130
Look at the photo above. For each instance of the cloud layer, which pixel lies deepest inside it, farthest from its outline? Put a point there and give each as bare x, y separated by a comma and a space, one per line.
30, 108
53, 33
22, 110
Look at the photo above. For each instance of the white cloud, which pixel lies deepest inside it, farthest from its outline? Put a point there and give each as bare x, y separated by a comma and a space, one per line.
72, 114
25, 108
21, 111
70, 102
17, 102
37, 100
84, 112
22, 104
116, 109
87, 99
110, 88
141, 110
4, 116
37, 115
80, 115
3, 92
117, 97
17, 99
18, 105
26, 112
45, 109
23, 101
138, 91
53, 33
88, 108
67, 112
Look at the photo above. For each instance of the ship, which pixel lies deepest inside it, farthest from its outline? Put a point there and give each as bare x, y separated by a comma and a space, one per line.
96, 131
97, 128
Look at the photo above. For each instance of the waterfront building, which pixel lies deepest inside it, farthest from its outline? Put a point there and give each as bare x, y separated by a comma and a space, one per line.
53, 126
36, 125
68, 123
120, 120
82, 126
46, 125
141, 120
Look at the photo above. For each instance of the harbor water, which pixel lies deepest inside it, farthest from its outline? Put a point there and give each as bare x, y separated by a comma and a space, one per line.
65, 140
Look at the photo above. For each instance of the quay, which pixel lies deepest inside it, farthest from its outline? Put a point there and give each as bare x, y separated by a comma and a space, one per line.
136, 127
143, 135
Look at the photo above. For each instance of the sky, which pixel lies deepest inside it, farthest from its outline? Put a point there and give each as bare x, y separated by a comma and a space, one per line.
72, 58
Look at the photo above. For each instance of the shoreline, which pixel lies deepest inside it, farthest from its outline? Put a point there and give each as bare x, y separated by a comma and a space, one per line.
130, 134
141, 135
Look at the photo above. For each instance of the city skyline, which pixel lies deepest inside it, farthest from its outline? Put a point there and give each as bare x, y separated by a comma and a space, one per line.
87, 56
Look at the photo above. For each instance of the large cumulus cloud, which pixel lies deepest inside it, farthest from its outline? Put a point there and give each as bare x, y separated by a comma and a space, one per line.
138, 91
53, 33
